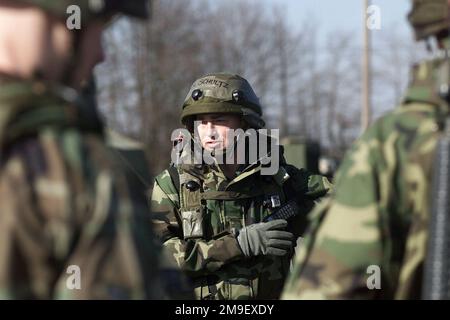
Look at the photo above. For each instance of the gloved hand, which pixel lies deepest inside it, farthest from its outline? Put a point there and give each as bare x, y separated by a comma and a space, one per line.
265, 238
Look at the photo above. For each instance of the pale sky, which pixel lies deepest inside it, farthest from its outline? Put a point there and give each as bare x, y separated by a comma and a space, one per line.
345, 14
334, 16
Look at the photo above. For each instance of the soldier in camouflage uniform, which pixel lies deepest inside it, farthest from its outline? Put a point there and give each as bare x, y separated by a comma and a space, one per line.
377, 219
64, 202
210, 216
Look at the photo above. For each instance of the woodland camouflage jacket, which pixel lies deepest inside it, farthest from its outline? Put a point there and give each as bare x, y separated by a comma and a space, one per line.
379, 213
213, 260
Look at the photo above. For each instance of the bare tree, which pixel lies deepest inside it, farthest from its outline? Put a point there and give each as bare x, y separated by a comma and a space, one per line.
307, 87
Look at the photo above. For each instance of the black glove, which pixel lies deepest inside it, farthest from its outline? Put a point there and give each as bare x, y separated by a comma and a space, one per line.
266, 238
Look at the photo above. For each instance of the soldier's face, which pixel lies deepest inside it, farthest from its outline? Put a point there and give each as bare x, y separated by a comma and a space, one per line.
32, 42
215, 130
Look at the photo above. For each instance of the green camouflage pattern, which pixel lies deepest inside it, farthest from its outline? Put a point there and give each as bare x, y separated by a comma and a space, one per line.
378, 214
64, 201
134, 159
217, 91
214, 263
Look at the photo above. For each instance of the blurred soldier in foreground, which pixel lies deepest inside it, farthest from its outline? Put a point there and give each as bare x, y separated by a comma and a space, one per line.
68, 228
370, 240
221, 221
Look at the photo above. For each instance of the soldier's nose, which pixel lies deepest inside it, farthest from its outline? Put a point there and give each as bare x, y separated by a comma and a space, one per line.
211, 130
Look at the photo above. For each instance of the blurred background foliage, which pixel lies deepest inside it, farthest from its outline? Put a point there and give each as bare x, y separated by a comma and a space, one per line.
309, 88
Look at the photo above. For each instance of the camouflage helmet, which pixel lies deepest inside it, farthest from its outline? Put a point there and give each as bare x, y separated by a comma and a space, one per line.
222, 93
429, 17
92, 9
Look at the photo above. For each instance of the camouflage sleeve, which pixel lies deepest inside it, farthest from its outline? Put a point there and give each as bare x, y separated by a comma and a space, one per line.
344, 236
308, 185
67, 229
176, 283
195, 257
314, 186
318, 187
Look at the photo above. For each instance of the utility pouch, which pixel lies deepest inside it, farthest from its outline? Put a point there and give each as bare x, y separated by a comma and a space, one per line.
192, 223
